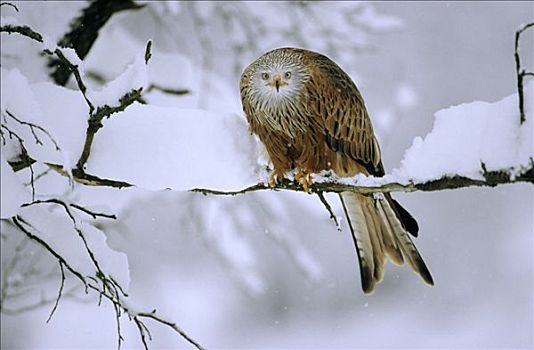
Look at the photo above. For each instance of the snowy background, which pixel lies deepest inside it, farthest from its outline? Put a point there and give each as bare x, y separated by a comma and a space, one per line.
269, 269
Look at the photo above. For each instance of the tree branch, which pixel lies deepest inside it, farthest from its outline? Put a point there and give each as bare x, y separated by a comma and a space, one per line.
22, 30
520, 71
111, 294
491, 179
172, 325
84, 31
9, 4
60, 292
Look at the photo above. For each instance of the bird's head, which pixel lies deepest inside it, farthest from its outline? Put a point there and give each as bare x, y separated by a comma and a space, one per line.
276, 77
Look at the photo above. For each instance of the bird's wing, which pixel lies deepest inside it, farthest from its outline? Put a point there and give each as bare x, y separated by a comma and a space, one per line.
335, 99
245, 98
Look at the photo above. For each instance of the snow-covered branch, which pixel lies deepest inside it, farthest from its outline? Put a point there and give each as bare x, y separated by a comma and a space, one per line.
489, 179
84, 31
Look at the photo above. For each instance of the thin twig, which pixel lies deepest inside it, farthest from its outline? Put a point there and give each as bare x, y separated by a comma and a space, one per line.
25, 156
9, 4
59, 294
32, 127
74, 70
170, 91
140, 325
520, 72
92, 213
19, 222
320, 194
148, 53
172, 325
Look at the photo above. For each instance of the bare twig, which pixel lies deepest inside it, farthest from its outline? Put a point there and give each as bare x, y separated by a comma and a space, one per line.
520, 71
142, 331
59, 294
169, 91
321, 196
25, 158
74, 70
172, 325
74, 205
32, 127
20, 223
148, 53
9, 4
92, 213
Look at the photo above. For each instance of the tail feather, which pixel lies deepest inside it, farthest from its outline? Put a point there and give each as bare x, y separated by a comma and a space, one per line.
394, 252
407, 220
376, 242
361, 238
410, 252
379, 234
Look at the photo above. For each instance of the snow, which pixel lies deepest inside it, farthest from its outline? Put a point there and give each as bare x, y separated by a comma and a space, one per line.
57, 230
170, 70
18, 98
13, 192
467, 135
163, 147
67, 120
71, 55
133, 77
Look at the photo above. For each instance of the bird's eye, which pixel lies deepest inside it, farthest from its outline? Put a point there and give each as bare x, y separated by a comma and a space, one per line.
265, 76
287, 75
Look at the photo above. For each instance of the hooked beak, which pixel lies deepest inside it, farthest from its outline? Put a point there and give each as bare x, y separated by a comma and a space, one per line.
277, 82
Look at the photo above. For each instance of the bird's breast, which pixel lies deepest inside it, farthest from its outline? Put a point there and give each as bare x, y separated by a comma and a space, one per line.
289, 121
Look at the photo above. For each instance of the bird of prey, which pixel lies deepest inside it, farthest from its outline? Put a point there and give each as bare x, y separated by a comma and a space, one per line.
310, 117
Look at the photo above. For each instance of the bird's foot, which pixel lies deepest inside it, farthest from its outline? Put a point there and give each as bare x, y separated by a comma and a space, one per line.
275, 178
305, 179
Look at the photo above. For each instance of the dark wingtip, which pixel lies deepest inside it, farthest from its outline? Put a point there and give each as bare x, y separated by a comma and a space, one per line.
424, 272
368, 282
410, 224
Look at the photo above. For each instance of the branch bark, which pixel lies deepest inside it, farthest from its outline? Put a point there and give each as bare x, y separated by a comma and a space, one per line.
491, 179
520, 71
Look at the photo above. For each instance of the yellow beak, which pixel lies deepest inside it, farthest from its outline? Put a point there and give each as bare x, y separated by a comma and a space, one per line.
277, 82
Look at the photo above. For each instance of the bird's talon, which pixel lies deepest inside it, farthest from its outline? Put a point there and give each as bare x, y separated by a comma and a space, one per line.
275, 178
305, 179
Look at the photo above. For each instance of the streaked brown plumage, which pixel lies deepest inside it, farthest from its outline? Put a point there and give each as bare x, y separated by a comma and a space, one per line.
311, 117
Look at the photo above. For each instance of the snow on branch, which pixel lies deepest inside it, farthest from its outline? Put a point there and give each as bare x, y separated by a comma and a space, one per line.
84, 31
85, 255
487, 148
